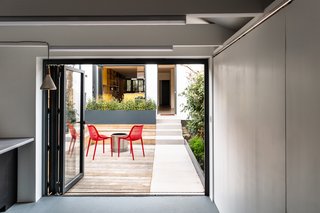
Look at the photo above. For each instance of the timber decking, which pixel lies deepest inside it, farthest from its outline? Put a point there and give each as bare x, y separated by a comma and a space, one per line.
112, 175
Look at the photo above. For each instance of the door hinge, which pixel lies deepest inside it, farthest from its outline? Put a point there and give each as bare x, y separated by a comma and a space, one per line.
58, 185
48, 147
48, 189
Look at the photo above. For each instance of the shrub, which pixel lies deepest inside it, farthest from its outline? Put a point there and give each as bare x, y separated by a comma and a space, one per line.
194, 106
114, 104
197, 146
71, 112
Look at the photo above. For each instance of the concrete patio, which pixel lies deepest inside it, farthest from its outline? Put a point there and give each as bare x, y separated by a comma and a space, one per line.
165, 170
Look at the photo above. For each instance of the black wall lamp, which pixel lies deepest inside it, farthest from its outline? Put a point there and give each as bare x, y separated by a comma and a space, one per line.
48, 83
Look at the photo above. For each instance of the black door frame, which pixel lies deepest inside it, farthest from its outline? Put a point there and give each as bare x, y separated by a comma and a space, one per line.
158, 61
66, 187
54, 182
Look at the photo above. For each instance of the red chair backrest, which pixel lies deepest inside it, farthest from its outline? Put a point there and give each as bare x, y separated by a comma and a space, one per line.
93, 132
72, 130
136, 132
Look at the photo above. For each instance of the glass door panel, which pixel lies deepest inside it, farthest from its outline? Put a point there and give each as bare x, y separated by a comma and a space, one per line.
72, 125
72, 137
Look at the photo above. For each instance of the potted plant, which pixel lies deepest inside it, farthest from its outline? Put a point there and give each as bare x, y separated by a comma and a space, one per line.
138, 111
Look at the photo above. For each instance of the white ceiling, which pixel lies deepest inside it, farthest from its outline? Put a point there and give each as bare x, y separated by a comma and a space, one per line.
209, 23
84, 8
232, 23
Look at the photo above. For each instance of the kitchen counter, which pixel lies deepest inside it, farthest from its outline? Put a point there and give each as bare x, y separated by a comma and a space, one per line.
9, 169
8, 144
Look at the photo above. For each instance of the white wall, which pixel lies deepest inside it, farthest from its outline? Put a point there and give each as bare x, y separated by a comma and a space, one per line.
249, 122
88, 68
20, 113
152, 82
182, 82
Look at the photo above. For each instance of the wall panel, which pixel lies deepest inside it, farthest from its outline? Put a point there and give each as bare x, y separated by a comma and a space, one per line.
249, 122
303, 106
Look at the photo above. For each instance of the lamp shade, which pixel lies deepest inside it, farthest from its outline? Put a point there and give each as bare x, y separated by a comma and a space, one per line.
48, 83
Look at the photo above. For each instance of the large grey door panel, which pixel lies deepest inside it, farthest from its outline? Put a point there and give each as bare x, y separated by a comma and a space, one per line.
303, 106
249, 122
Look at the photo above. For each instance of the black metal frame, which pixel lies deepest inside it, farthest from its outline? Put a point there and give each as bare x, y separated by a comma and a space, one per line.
131, 88
51, 119
66, 187
54, 149
158, 61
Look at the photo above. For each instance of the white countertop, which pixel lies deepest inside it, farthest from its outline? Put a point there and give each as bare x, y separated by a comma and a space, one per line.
8, 144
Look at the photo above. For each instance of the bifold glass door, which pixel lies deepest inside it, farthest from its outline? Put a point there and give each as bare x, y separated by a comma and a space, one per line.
66, 128
72, 135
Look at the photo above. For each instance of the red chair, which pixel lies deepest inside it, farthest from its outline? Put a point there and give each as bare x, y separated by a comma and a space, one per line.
135, 134
94, 135
74, 136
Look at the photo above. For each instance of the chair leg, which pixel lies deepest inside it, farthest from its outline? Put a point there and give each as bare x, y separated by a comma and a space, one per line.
131, 149
95, 148
70, 145
88, 147
142, 147
118, 147
111, 147
103, 146
74, 142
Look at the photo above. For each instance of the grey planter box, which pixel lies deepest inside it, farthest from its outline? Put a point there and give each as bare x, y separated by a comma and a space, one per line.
120, 116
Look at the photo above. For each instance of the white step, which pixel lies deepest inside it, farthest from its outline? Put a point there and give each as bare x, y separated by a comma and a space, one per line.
169, 132
161, 120
168, 125
169, 140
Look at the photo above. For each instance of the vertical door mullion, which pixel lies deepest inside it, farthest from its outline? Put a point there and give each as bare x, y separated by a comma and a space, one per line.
52, 151
62, 130
82, 127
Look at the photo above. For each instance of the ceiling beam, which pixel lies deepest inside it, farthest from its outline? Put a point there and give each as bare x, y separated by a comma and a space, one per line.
100, 8
187, 35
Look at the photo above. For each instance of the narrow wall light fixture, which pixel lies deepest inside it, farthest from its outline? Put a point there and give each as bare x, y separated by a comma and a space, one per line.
48, 83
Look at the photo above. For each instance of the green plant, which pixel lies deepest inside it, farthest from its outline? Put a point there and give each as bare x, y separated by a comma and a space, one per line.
194, 106
197, 146
71, 112
94, 104
114, 104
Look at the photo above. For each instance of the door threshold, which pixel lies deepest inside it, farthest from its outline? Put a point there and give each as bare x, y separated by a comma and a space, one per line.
133, 194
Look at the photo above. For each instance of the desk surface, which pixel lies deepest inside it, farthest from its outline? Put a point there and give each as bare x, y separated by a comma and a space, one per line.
8, 144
